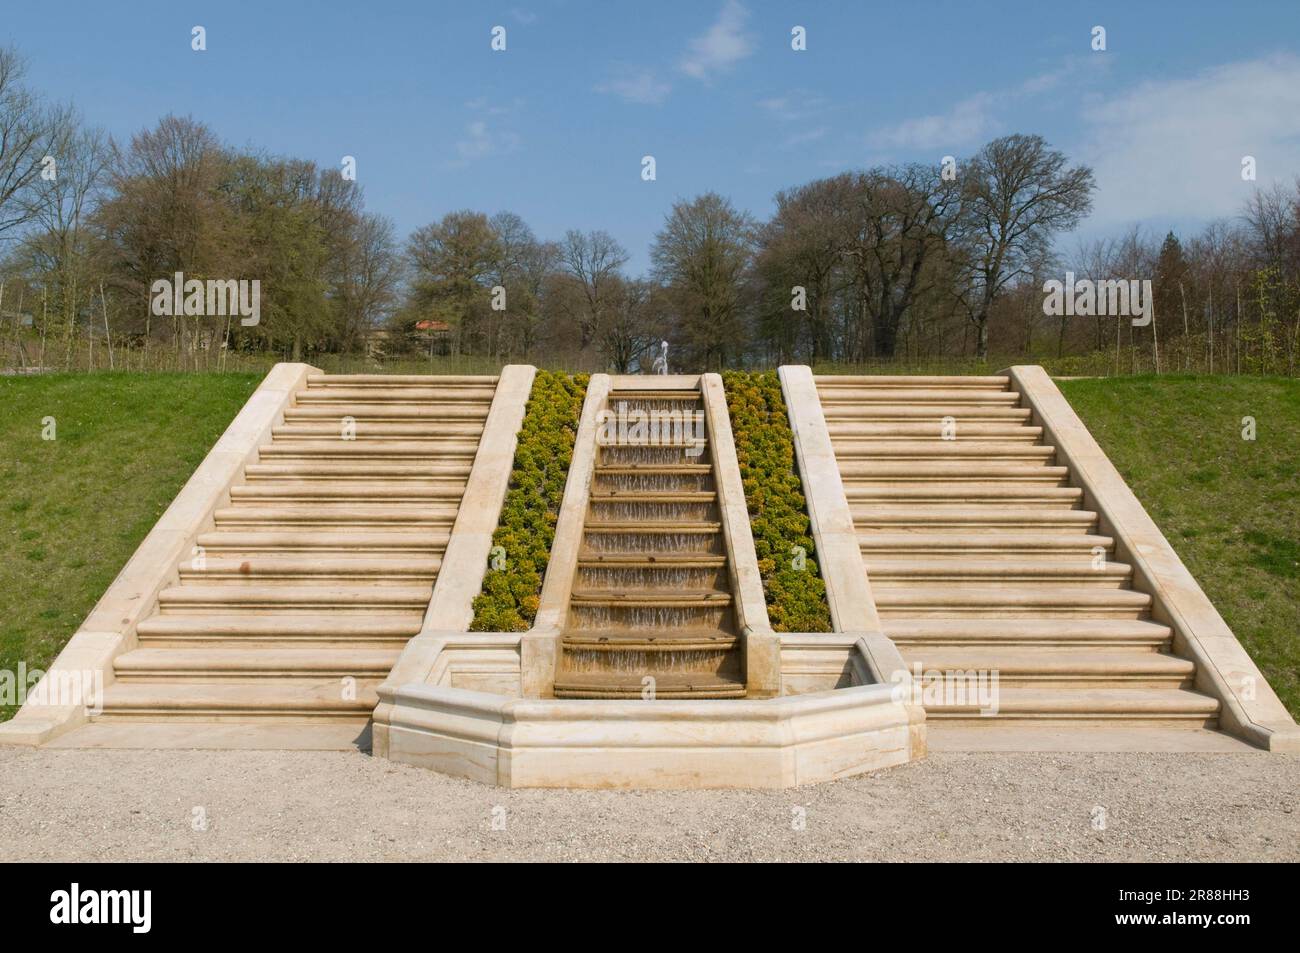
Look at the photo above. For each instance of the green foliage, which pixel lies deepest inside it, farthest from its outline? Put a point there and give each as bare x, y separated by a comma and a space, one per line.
73, 509
1227, 505
508, 602
796, 598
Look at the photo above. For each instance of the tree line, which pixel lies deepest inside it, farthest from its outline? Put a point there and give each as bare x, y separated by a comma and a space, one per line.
908, 263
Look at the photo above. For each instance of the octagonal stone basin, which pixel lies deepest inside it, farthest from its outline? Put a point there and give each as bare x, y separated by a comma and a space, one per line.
468, 720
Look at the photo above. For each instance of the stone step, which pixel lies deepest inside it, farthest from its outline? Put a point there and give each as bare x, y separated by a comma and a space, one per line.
965, 544
666, 537
867, 472
374, 491
449, 413
912, 381
941, 601
403, 540
916, 396
841, 415
193, 599
935, 451
453, 473
651, 598
360, 429
1023, 494
407, 394
1051, 667
1088, 634
318, 570
377, 451
245, 514
959, 516
1132, 706
997, 572
279, 630
284, 699
152, 664
935, 430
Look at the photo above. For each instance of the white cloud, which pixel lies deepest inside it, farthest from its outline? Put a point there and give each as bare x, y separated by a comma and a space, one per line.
481, 141
799, 138
637, 85
1173, 148
792, 106
523, 16
969, 121
721, 46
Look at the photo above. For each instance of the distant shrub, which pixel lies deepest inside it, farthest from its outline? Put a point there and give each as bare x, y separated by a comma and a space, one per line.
510, 596
796, 597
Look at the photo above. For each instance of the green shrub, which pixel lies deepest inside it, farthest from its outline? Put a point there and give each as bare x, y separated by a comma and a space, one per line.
796, 597
508, 602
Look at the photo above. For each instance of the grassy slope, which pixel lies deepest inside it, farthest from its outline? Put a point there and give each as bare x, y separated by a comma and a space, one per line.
73, 510
1230, 507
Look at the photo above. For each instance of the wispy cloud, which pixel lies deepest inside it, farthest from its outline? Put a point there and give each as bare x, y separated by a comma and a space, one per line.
481, 141
526, 17
792, 106
721, 46
1172, 148
967, 122
637, 85
810, 135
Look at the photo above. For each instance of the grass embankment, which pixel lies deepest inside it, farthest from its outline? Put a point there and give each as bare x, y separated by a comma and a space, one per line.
796, 595
1230, 507
513, 583
73, 509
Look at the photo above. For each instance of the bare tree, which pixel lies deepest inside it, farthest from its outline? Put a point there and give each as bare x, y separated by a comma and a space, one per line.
594, 261
1017, 195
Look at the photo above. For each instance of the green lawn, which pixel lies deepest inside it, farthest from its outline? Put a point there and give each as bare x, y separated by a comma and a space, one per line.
73, 509
1230, 507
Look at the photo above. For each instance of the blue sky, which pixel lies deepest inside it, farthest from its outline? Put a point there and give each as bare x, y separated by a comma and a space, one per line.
555, 126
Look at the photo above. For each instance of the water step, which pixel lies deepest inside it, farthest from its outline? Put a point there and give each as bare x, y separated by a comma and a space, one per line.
1092, 634
651, 598
666, 685
649, 640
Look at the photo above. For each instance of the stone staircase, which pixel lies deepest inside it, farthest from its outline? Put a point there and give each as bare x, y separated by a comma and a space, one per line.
298, 600
652, 598
981, 558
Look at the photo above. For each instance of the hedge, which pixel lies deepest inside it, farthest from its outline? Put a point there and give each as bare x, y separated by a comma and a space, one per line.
796, 597
508, 602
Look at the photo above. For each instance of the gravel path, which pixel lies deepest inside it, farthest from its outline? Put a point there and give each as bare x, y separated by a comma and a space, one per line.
91, 805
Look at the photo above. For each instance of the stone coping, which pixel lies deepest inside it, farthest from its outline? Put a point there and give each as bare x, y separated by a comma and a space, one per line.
1250, 708
744, 743
110, 629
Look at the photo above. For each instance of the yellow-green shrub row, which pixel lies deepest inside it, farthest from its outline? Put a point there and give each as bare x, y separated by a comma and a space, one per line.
511, 591
796, 595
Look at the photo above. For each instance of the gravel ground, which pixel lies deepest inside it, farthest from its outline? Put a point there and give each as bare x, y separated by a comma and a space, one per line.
97, 805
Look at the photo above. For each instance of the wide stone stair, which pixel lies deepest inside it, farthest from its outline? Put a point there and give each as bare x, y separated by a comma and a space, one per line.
651, 608
981, 558
296, 603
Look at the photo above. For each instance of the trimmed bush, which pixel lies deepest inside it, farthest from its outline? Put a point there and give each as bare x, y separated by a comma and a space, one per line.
796, 595
508, 602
